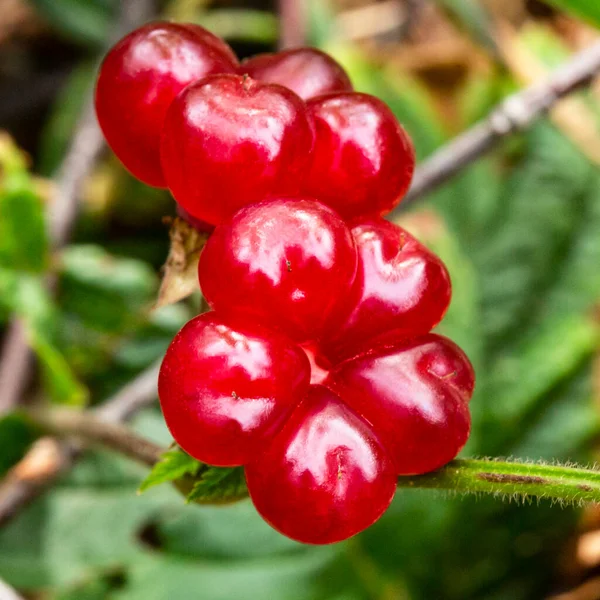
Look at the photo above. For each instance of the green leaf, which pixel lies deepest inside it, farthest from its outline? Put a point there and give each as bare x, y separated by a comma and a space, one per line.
218, 484
106, 292
60, 381
215, 532
293, 577
539, 211
85, 21
589, 10
26, 296
568, 424
23, 240
173, 465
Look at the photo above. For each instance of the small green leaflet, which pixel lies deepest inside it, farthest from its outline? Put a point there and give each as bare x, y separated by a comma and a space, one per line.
219, 484
207, 484
173, 465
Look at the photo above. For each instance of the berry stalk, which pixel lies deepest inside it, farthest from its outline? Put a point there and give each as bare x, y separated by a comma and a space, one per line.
513, 480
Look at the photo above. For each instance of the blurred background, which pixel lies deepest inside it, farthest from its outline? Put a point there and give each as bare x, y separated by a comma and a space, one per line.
519, 230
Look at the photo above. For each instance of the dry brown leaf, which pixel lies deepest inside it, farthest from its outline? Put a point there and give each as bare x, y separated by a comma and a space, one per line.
180, 273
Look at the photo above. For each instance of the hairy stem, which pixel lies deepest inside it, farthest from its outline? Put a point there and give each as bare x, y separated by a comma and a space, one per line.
570, 485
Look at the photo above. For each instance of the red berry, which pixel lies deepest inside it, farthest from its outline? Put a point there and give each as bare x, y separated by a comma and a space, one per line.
139, 79
415, 395
288, 263
401, 289
363, 160
229, 141
225, 388
306, 71
325, 477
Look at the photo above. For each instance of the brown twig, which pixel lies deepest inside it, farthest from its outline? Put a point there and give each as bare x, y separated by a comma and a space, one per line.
15, 363
135, 395
90, 429
87, 144
292, 23
514, 114
49, 459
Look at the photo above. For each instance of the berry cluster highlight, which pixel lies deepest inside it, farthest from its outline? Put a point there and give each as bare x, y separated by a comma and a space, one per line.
316, 369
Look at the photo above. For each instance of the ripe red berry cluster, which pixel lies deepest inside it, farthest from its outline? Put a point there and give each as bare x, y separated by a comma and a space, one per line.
316, 369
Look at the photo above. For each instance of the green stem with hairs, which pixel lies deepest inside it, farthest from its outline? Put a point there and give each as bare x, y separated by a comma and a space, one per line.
510, 479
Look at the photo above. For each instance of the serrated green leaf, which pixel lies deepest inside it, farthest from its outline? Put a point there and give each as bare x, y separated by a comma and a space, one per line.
589, 10
519, 380
88, 22
569, 422
173, 465
539, 212
216, 484
576, 287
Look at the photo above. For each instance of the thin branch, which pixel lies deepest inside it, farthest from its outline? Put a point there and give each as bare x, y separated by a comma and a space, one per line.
14, 365
87, 427
292, 23
514, 114
7, 593
42, 465
135, 395
49, 459
511, 479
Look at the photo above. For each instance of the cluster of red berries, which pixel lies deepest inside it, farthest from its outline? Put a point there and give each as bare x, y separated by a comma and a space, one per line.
316, 369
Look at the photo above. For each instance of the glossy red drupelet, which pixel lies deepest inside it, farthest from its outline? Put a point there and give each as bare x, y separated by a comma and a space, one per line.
287, 263
227, 386
320, 465
229, 141
139, 79
363, 160
325, 476
415, 394
306, 71
401, 290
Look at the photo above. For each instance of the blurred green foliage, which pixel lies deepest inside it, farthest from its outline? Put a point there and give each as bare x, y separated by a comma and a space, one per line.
586, 9
520, 233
